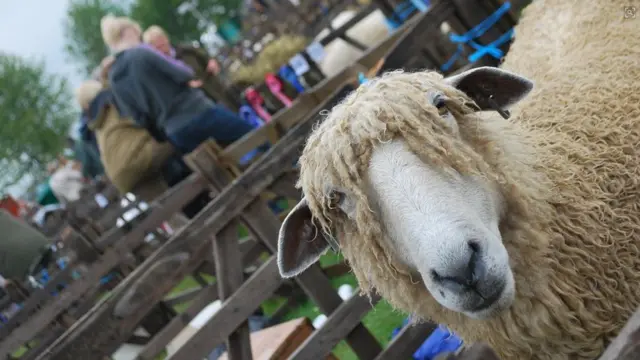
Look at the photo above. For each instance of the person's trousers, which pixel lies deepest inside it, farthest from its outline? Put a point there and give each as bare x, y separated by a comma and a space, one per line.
217, 123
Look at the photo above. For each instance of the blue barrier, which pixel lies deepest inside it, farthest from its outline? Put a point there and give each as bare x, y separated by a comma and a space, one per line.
404, 10
440, 341
421, 5
287, 74
477, 31
362, 79
249, 115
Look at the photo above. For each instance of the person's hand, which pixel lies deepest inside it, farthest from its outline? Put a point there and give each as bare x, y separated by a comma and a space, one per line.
213, 67
195, 83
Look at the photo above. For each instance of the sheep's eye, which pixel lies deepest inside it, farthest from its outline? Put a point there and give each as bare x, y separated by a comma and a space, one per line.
337, 198
439, 103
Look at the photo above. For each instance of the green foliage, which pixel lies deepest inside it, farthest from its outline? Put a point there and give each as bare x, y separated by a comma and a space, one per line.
220, 11
36, 112
182, 27
84, 43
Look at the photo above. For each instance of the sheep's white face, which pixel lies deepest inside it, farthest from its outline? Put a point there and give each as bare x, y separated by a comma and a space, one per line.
442, 226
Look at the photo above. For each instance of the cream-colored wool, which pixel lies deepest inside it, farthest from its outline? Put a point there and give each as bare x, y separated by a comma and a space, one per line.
567, 164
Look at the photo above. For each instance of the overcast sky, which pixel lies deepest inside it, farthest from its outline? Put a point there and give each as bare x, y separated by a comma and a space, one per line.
33, 28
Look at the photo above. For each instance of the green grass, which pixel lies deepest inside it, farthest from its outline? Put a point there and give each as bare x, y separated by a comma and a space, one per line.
380, 321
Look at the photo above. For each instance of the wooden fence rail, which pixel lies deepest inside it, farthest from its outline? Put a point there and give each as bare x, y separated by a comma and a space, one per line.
25, 324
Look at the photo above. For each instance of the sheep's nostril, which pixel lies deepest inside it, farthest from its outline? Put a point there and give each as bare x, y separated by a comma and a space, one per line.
435, 276
475, 247
465, 275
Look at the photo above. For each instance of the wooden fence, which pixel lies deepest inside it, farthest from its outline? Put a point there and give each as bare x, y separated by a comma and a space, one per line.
43, 315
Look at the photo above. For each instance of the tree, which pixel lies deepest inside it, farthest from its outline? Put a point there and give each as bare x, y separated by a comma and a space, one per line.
183, 27
84, 44
220, 11
36, 113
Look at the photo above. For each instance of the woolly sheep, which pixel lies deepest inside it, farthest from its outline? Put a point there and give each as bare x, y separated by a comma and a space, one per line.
524, 233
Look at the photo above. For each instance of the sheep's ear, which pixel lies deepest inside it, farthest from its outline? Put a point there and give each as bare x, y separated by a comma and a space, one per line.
492, 88
300, 243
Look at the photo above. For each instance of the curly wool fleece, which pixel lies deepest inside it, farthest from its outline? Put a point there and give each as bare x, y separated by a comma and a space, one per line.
567, 164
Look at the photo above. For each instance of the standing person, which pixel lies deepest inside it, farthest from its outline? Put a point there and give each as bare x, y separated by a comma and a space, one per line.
162, 95
67, 181
205, 67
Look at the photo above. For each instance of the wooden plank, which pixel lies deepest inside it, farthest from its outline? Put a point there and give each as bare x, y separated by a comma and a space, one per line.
279, 341
185, 296
112, 331
405, 344
42, 342
200, 279
157, 318
353, 42
342, 30
102, 266
277, 316
386, 8
111, 322
230, 277
286, 187
337, 270
36, 300
413, 40
171, 201
233, 312
108, 220
324, 22
339, 324
160, 341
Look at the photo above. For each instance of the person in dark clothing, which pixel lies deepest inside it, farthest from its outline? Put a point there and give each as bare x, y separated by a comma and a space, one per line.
162, 94
205, 67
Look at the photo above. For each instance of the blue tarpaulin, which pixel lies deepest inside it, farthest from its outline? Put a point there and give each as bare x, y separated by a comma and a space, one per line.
441, 340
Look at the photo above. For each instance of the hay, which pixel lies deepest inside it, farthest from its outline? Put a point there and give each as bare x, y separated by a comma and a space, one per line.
270, 59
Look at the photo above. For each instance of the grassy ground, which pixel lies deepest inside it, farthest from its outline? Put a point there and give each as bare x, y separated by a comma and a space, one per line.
380, 321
